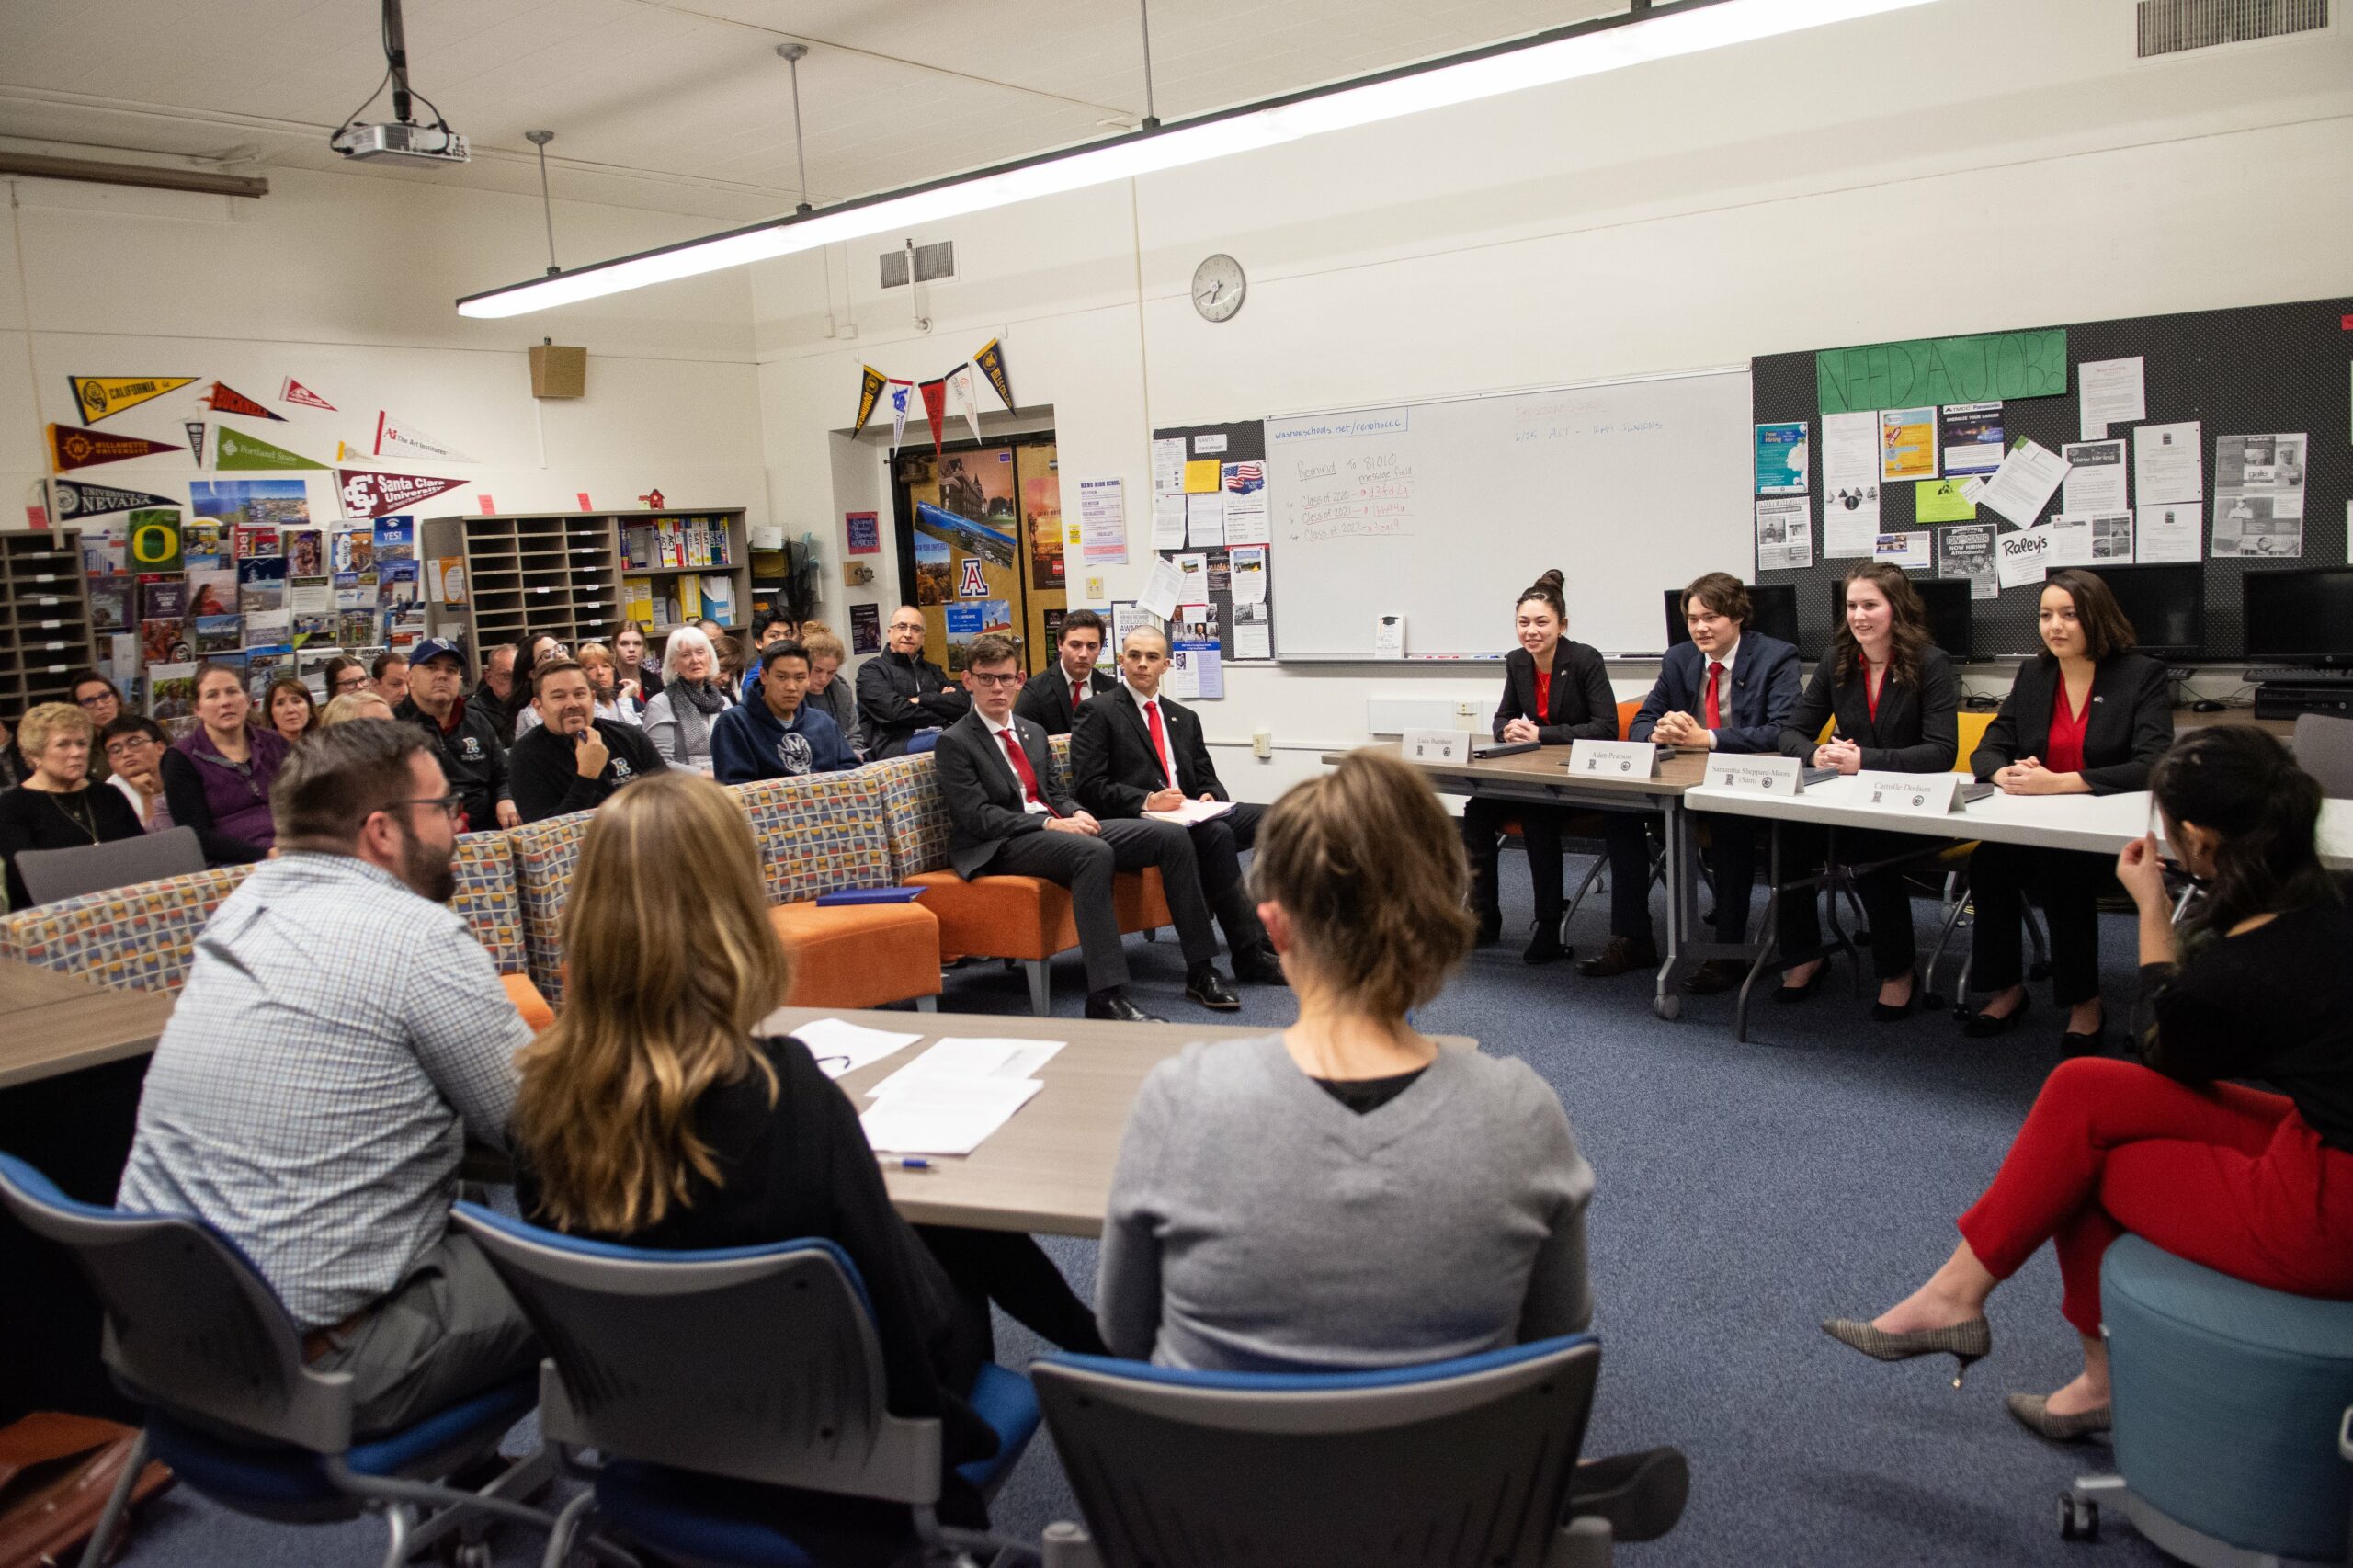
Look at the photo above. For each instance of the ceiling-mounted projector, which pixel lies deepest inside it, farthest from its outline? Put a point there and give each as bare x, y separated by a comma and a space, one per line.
427, 143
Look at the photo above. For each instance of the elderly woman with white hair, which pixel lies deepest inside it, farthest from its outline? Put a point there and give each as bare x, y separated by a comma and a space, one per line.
678, 717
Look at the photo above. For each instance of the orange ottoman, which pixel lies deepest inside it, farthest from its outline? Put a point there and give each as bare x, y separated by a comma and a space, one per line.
1029, 919
528, 1001
860, 955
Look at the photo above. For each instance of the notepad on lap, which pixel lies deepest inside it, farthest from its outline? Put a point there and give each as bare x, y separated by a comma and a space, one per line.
1193, 811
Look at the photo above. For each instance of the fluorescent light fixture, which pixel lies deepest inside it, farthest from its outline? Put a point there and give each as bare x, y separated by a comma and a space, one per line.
1633, 37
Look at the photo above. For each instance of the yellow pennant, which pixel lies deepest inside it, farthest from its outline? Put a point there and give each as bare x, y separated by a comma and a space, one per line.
99, 396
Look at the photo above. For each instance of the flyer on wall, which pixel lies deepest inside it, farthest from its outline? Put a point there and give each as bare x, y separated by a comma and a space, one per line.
2167, 533
1849, 483
1966, 553
1971, 436
1907, 443
2260, 495
1782, 459
1915, 551
1784, 533
2095, 476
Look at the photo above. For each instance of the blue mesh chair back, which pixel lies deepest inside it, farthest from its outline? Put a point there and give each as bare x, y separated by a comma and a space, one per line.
1456, 1464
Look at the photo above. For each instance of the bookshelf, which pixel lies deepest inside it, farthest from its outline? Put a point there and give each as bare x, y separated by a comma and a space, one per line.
566, 573
44, 619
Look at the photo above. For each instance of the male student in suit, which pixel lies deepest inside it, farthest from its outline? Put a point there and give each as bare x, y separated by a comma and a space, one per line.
1135, 750
1004, 820
1727, 689
1054, 697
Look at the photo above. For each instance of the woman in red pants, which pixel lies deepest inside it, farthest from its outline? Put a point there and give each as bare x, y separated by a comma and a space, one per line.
2254, 1184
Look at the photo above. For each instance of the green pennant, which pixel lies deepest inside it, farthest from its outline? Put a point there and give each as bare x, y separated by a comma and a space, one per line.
234, 449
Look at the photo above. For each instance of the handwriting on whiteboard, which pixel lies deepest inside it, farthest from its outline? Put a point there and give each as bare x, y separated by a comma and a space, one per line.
1366, 496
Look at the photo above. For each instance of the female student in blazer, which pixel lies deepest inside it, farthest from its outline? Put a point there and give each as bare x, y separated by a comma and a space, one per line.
2087, 717
1555, 691
1897, 709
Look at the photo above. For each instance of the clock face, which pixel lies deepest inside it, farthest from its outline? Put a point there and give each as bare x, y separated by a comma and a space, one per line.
1218, 288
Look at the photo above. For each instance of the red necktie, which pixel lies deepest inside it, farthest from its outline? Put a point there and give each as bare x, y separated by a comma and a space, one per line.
1716, 713
1159, 739
1077, 692
1020, 760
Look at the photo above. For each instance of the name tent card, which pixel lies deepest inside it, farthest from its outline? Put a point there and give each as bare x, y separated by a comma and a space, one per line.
1436, 745
1757, 775
1613, 760
1919, 794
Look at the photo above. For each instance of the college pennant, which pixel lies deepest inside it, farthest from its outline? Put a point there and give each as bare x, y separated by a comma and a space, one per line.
296, 392
398, 437
99, 397
961, 396
195, 428
935, 406
899, 391
991, 360
367, 494
869, 391
235, 449
70, 499
70, 446
226, 399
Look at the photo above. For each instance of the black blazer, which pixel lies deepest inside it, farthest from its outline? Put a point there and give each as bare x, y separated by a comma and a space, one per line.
1916, 730
1764, 693
1583, 708
886, 682
984, 804
1112, 766
2130, 728
1045, 699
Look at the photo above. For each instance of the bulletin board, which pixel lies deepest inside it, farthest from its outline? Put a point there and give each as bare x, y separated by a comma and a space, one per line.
2262, 371
1242, 443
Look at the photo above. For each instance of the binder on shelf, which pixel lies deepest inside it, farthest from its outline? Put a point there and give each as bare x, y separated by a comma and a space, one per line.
718, 598
689, 599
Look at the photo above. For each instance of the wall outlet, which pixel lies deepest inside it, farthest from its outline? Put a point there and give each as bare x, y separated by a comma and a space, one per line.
1262, 744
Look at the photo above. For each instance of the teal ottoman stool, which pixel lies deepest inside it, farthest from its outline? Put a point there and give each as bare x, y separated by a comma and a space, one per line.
2228, 1401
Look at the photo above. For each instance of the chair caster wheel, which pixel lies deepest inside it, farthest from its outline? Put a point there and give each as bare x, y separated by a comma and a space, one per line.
1963, 1011
1669, 1008
2079, 1517
467, 1553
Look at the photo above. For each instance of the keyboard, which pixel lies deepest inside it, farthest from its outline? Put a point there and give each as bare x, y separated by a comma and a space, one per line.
2301, 675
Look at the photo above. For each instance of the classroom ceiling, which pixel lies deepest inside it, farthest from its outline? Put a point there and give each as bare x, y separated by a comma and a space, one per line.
682, 106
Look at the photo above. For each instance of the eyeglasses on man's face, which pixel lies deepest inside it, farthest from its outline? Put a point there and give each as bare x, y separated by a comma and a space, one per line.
1010, 678
452, 806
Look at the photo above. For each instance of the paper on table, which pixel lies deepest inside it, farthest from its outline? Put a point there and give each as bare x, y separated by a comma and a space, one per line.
1204, 520
2168, 463
2021, 558
2024, 482
2112, 392
1160, 590
1168, 465
971, 1057
944, 1116
842, 1047
1849, 483
1191, 811
2095, 471
1168, 522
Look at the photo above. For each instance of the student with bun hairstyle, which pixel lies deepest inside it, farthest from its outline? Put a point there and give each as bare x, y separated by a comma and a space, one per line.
1555, 692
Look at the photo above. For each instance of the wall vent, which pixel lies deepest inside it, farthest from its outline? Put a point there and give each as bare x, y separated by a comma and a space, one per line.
932, 262
2172, 26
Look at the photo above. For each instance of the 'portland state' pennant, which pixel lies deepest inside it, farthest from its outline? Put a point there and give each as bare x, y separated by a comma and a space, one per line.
991, 360
70, 499
935, 406
870, 393
98, 396
70, 446
235, 449
367, 494
225, 399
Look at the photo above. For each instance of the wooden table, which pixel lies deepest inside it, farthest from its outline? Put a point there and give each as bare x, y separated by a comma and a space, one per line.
53, 1024
1048, 1169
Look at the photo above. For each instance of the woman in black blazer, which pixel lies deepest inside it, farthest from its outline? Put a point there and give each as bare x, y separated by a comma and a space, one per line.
1555, 691
2087, 717
1897, 706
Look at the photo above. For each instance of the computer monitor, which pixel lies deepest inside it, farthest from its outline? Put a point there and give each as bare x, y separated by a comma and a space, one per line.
2166, 606
1946, 600
1773, 606
2304, 617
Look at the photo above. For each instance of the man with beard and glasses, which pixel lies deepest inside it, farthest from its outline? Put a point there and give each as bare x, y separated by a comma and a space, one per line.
341, 1036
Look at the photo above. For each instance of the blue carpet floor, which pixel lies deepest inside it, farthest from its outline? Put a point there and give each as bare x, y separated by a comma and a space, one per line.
1745, 1192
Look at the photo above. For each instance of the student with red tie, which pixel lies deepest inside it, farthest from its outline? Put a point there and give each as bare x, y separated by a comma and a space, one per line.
1054, 696
1004, 820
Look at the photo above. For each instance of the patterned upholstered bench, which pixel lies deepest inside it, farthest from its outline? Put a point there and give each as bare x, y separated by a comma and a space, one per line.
1024, 919
142, 938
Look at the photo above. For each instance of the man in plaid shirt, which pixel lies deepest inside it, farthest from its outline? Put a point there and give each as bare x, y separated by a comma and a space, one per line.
341, 1035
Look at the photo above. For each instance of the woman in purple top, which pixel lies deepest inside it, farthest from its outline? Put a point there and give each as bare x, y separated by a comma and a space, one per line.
217, 778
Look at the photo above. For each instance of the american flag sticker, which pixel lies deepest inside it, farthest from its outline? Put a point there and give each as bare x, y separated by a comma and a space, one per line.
1244, 478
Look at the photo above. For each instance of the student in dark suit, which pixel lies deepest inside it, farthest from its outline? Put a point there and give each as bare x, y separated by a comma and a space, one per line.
2087, 717
1136, 751
1727, 689
1003, 820
1897, 709
1054, 697
1556, 692
900, 692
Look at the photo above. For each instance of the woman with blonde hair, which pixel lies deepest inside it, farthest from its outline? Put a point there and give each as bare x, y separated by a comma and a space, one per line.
58, 806
654, 1112
353, 705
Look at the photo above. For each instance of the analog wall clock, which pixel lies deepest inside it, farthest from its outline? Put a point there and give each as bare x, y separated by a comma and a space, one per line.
1218, 288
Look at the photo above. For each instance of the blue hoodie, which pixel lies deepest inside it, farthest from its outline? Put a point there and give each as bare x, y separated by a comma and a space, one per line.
747, 743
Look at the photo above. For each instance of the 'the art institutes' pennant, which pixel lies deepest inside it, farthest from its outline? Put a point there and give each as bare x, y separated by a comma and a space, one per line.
99, 397
869, 391
961, 396
367, 494
296, 392
71, 447
399, 438
72, 498
226, 399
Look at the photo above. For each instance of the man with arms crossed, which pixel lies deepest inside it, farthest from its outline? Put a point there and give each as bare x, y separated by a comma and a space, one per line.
900, 692
1053, 697
1002, 821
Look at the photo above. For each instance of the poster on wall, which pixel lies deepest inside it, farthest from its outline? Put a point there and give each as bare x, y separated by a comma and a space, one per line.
863, 532
865, 629
1042, 517
1783, 459
251, 503
2260, 495
1103, 521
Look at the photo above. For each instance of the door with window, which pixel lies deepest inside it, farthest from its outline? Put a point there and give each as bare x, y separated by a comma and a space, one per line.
980, 537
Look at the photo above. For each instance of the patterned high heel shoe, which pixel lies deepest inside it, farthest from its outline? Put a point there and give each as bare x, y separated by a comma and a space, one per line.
1964, 1342
2033, 1413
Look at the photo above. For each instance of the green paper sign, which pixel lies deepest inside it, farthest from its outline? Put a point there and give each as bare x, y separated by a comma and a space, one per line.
1940, 501
1987, 368
234, 449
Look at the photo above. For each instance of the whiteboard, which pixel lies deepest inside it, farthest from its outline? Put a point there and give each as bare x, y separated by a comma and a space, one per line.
1442, 512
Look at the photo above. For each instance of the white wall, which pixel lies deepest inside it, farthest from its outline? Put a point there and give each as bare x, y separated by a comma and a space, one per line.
1968, 165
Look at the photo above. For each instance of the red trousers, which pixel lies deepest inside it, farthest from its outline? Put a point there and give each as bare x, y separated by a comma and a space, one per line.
2228, 1177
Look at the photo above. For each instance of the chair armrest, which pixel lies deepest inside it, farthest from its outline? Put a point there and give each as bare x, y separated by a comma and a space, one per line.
1584, 1542
1065, 1545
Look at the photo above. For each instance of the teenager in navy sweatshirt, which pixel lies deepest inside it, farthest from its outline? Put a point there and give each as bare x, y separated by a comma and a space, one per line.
774, 732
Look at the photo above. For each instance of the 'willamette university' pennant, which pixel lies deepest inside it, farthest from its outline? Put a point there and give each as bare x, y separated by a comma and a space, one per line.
225, 399
870, 393
295, 391
70, 446
367, 494
70, 499
935, 405
991, 360
235, 449
98, 396
900, 391
399, 438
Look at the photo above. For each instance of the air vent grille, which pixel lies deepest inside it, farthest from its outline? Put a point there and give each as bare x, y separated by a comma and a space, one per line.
2171, 27
932, 262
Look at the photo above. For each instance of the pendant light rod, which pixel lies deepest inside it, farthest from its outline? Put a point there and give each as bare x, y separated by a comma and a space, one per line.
793, 54
1151, 111
541, 139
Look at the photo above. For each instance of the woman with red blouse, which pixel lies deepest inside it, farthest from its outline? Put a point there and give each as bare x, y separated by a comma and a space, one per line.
2087, 717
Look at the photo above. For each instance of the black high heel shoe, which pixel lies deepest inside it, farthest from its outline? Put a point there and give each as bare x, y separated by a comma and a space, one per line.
1792, 995
1896, 1012
2092, 1042
1980, 1026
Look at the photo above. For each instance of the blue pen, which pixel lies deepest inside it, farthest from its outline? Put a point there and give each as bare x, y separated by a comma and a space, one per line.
903, 1163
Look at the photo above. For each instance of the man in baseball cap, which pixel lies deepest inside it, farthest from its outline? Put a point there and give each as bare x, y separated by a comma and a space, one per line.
463, 736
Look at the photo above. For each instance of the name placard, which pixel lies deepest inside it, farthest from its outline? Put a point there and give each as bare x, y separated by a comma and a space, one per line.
1613, 760
1436, 745
1919, 794
1757, 775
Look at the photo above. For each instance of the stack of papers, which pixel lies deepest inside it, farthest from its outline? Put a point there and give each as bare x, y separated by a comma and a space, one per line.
841, 1047
1192, 811
950, 1098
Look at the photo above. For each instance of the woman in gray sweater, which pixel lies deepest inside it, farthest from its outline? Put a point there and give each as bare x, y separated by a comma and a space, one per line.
1346, 1194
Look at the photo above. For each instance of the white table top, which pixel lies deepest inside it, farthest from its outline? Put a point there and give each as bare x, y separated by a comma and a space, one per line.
2098, 824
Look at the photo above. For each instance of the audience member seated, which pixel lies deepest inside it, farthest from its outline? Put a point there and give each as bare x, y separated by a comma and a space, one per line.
341, 1036
1002, 820
134, 750
828, 693
678, 718
775, 733
636, 664
516, 713
615, 699
2254, 1185
768, 629
58, 806
346, 676
901, 693
100, 702
1135, 750
218, 776
496, 687
1556, 692
654, 1113
464, 736
1727, 689
732, 663
1054, 697
388, 677
573, 761
287, 709
12, 767
1897, 706
2087, 717
354, 705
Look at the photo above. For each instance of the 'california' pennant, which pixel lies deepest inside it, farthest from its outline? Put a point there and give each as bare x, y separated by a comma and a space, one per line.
398, 437
70, 446
870, 393
99, 396
367, 494
235, 449
935, 406
225, 399
295, 391
72, 498
991, 360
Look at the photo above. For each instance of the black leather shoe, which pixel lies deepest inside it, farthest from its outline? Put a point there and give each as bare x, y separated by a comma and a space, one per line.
1113, 1008
1259, 966
1715, 975
1208, 988
1980, 1026
2092, 1044
1624, 955
1544, 945
1491, 927
1896, 1012
1790, 996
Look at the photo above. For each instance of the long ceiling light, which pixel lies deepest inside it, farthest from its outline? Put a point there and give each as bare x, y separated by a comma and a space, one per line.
1639, 36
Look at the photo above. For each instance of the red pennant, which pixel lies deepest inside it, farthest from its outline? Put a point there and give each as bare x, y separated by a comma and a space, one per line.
225, 399
935, 405
70, 446
296, 392
367, 494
